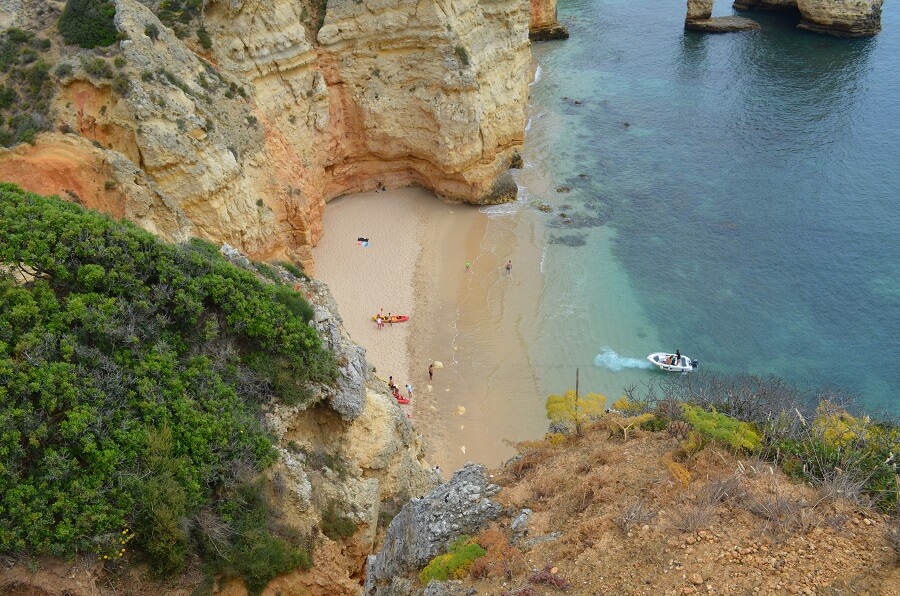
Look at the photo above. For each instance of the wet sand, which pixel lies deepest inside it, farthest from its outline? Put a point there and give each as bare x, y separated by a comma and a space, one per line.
478, 323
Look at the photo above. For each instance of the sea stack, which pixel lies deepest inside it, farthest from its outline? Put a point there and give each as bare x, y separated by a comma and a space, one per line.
544, 25
842, 18
699, 18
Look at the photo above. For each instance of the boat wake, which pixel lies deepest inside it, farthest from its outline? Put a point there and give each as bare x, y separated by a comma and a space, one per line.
610, 360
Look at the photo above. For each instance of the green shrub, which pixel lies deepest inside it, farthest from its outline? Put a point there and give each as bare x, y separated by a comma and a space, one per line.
239, 542
119, 61
8, 97
455, 564
294, 269
121, 85
655, 424
64, 70
336, 526
268, 272
88, 23
204, 38
462, 54
294, 302
98, 67
152, 31
131, 373
724, 429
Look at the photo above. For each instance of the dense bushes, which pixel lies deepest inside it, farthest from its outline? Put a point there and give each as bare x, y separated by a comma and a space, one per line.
131, 374
25, 87
88, 23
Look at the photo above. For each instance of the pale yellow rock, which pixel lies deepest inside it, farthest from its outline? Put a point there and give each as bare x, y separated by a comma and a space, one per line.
843, 18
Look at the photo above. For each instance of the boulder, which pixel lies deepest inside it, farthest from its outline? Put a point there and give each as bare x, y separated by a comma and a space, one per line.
426, 525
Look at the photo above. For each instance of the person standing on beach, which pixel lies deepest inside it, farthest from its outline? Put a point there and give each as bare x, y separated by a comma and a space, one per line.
409, 391
508, 267
390, 320
468, 264
430, 371
379, 323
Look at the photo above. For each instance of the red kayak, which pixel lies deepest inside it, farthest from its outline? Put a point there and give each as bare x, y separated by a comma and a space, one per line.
402, 400
393, 319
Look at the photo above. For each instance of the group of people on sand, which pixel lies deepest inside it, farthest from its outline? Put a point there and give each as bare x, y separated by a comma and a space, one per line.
395, 391
380, 319
508, 266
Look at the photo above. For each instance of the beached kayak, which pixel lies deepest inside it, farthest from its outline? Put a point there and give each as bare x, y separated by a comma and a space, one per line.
393, 319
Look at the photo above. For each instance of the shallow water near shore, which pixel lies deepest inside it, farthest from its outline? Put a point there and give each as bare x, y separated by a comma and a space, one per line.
747, 214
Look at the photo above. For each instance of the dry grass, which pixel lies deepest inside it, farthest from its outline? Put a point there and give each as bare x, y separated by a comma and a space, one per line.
722, 490
634, 515
893, 536
694, 517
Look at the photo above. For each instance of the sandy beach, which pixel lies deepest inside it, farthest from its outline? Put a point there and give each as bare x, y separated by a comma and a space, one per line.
475, 322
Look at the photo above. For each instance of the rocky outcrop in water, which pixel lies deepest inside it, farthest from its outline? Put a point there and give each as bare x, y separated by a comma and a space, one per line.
699, 18
544, 22
425, 526
841, 18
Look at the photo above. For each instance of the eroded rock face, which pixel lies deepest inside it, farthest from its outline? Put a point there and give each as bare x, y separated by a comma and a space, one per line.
402, 92
425, 526
544, 22
699, 9
843, 18
245, 142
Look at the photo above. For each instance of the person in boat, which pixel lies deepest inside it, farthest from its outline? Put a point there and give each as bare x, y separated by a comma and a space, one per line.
677, 356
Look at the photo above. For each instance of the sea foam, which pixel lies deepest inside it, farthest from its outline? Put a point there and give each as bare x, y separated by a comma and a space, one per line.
609, 359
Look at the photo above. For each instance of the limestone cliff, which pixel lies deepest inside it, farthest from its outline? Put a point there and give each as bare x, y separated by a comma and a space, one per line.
544, 24
245, 141
842, 18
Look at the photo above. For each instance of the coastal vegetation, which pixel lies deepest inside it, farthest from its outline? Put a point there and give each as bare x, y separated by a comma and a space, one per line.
132, 376
455, 563
25, 86
812, 437
89, 23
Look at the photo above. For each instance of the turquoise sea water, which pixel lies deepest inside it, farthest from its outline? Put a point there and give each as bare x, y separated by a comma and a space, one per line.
748, 213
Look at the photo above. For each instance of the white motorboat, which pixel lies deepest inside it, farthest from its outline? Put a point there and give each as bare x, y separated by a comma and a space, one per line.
673, 363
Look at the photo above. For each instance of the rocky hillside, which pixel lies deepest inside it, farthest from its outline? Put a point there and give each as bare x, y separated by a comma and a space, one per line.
237, 121
597, 514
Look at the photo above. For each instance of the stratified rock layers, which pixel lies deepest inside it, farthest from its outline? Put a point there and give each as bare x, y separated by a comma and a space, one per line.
246, 141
